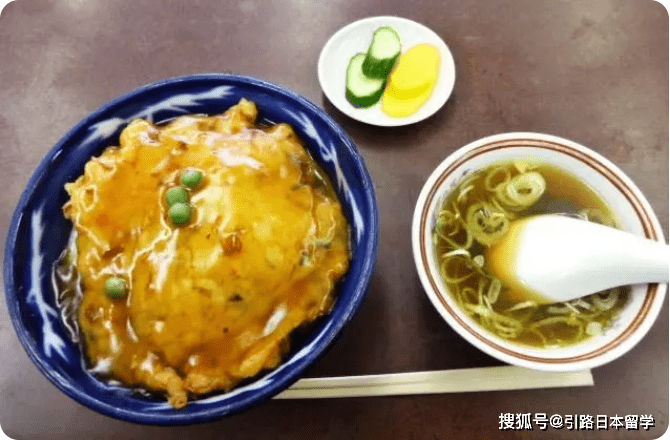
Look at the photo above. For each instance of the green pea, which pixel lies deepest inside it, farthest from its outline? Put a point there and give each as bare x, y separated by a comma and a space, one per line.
176, 194
115, 288
191, 178
180, 213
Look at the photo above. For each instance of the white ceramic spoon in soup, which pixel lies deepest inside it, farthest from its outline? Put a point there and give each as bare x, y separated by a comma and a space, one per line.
558, 258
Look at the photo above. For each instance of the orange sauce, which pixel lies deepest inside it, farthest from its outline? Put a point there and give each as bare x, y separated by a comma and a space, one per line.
213, 301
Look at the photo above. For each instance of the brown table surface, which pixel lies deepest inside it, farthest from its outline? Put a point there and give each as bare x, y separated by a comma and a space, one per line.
594, 72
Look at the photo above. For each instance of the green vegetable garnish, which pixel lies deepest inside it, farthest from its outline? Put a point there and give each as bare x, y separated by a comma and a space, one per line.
191, 178
487, 224
180, 213
382, 53
115, 288
523, 190
362, 91
176, 194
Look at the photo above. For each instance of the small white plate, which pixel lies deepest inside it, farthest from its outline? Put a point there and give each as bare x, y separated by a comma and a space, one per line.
356, 37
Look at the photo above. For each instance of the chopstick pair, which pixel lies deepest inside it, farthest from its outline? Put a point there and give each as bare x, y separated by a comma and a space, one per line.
434, 382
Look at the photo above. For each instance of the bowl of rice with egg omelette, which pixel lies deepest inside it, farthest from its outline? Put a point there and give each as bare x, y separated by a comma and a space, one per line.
190, 248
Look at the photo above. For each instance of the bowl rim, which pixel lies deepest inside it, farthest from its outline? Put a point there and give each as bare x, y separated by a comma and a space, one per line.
286, 378
625, 340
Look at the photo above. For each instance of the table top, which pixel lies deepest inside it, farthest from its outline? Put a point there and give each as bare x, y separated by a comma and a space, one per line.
592, 72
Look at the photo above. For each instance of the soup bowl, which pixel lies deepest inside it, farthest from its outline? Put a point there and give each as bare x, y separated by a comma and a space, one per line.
615, 188
38, 233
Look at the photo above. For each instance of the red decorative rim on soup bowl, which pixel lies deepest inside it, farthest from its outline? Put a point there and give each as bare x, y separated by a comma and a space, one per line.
623, 197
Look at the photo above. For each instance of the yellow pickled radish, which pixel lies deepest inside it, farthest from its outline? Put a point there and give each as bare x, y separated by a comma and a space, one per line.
399, 108
416, 71
412, 81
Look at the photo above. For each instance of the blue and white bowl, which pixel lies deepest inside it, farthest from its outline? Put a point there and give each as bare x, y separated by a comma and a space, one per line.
38, 232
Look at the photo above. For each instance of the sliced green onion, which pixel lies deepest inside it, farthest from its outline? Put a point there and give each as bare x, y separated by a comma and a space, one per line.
594, 328
525, 189
467, 185
486, 224
464, 192
447, 223
465, 245
555, 320
496, 204
457, 263
523, 166
509, 324
558, 310
494, 290
480, 291
521, 306
572, 308
606, 303
468, 293
541, 336
456, 252
506, 326
489, 179
581, 303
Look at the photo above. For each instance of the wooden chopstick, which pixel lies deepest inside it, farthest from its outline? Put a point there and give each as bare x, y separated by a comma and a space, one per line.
434, 382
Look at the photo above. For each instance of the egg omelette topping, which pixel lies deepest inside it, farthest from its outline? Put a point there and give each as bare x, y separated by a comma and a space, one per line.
200, 246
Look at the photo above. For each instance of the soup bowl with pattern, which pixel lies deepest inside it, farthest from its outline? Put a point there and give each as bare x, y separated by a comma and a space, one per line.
618, 192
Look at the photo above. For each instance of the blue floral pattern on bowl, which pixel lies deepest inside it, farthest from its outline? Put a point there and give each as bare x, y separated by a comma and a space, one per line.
38, 233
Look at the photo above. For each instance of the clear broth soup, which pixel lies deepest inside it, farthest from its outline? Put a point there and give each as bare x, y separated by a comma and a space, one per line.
478, 213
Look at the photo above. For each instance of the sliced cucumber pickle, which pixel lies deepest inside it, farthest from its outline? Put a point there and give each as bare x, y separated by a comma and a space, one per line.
382, 53
362, 91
